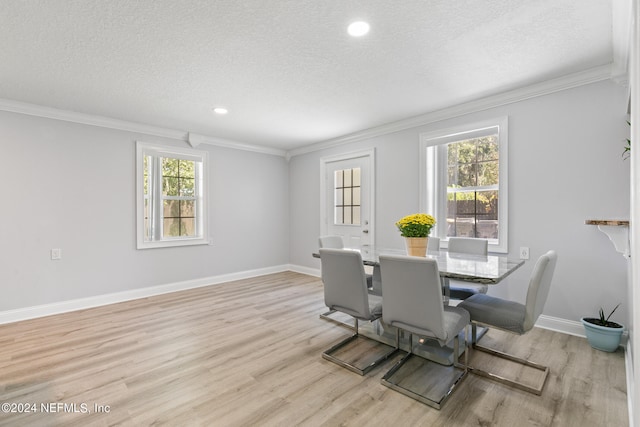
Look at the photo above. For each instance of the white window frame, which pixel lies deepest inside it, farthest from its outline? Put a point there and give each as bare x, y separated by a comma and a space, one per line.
433, 174
145, 149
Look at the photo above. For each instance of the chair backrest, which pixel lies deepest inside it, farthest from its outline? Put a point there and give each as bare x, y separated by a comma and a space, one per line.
345, 283
433, 244
332, 242
412, 294
468, 245
539, 286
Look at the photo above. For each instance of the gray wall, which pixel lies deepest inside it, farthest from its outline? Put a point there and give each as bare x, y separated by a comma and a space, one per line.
72, 186
565, 166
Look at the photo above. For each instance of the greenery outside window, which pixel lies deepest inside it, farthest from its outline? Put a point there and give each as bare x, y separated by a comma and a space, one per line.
464, 182
171, 207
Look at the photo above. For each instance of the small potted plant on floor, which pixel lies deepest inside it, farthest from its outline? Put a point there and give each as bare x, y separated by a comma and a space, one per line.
602, 333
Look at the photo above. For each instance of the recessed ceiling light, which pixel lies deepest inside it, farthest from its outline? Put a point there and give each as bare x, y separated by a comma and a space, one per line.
358, 28
220, 110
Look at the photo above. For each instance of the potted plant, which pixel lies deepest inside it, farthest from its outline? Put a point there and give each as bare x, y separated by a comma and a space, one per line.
602, 333
415, 229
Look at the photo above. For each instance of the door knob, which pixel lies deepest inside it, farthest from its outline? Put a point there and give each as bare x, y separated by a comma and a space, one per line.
365, 231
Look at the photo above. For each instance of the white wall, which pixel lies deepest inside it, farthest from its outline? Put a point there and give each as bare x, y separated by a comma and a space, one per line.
565, 166
72, 186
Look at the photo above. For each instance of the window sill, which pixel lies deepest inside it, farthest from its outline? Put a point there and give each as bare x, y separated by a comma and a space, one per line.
173, 243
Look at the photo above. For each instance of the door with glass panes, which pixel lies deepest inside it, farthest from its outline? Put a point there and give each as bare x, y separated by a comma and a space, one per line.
348, 200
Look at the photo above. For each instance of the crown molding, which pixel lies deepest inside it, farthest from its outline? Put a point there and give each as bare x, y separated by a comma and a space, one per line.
88, 119
195, 140
110, 123
569, 81
550, 86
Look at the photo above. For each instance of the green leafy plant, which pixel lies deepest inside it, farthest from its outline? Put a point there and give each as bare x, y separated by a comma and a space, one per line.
604, 321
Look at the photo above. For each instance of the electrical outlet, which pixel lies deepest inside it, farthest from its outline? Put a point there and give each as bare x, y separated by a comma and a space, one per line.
56, 253
524, 252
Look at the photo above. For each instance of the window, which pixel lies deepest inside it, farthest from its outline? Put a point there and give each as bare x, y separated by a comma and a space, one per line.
464, 182
171, 207
347, 197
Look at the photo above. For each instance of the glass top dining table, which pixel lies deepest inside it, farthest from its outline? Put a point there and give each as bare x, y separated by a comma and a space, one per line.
489, 269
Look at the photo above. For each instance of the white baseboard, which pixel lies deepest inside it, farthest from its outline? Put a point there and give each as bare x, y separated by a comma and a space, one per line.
557, 324
305, 270
26, 313
546, 322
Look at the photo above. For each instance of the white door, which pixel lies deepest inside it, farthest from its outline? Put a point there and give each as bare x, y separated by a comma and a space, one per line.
348, 189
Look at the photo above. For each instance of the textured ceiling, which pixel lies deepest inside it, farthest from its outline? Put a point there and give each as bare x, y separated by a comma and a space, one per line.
286, 69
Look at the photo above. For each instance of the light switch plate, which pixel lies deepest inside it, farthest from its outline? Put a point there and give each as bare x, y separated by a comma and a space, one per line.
56, 253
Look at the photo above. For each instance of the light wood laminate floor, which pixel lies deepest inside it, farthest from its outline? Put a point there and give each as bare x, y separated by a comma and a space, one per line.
248, 353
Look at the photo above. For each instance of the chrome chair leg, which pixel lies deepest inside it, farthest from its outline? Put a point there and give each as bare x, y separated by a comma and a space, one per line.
328, 355
388, 381
499, 378
327, 316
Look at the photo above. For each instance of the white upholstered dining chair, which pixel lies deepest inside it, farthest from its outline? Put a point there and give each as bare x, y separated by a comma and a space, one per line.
331, 242
345, 290
413, 301
336, 242
471, 246
513, 317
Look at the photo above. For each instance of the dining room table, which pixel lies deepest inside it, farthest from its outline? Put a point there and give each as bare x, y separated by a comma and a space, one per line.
484, 269
488, 269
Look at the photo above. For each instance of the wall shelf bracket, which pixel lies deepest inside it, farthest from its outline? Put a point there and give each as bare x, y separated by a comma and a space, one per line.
617, 231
